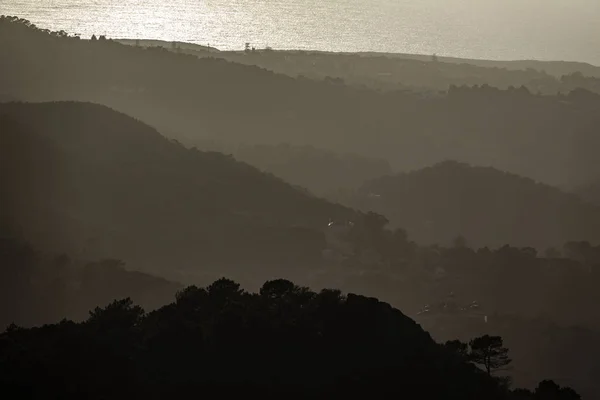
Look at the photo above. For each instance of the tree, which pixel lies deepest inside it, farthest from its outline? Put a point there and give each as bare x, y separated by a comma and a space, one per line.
550, 390
277, 289
191, 296
224, 291
489, 352
458, 347
120, 315
285, 296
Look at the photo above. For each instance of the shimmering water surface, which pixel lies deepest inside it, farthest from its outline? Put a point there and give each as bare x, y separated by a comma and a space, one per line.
493, 29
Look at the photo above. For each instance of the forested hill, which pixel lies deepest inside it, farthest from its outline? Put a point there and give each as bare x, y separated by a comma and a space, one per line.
385, 71
548, 138
486, 206
283, 342
117, 188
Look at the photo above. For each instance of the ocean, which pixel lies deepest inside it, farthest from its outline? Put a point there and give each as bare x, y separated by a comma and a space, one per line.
565, 30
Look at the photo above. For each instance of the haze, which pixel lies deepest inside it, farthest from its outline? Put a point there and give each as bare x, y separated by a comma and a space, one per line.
197, 198
488, 29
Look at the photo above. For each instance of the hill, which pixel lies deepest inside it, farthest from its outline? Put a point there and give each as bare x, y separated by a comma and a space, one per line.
390, 71
95, 183
486, 206
40, 288
549, 138
320, 171
220, 340
556, 68
387, 72
117, 188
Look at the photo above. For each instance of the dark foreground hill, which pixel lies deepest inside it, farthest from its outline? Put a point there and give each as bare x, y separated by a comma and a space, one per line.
285, 341
84, 179
486, 206
549, 138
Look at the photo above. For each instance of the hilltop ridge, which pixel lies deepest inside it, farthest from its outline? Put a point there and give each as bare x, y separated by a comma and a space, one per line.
126, 188
487, 206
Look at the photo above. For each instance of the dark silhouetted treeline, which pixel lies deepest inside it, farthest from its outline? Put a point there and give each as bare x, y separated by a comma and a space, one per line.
39, 288
548, 138
285, 341
487, 206
538, 347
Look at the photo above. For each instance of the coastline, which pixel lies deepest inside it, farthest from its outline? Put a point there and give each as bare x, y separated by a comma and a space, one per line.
552, 67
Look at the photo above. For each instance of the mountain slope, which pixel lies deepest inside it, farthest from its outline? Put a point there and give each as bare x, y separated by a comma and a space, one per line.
549, 138
40, 288
87, 179
487, 206
418, 73
318, 170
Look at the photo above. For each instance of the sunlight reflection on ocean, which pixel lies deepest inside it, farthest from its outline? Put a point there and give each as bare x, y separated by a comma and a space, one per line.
508, 29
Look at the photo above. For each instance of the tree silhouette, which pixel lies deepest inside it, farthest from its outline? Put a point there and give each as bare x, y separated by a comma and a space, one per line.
458, 347
489, 352
278, 289
550, 390
121, 314
191, 296
284, 340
